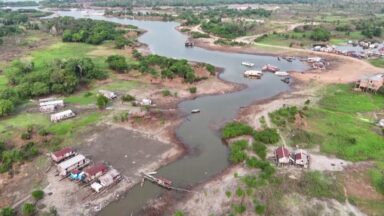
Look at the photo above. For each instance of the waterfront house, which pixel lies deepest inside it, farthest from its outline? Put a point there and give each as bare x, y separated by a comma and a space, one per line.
77, 162
62, 154
95, 171
282, 156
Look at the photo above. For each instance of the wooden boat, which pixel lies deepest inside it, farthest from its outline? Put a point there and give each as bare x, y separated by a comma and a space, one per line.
188, 43
158, 180
281, 73
286, 80
253, 74
270, 68
195, 111
248, 64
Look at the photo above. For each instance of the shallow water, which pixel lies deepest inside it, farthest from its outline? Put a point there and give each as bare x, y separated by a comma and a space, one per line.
200, 132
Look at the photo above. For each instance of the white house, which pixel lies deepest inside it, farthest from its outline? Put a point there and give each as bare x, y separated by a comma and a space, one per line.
62, 115
49, 106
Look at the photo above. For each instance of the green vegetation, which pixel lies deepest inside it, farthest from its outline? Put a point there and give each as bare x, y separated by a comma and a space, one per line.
117, 63
192, 90
179, 213
260, 149
7, 211
28, 209
8, 157
377, 178
225, 30
283, 116
378, 62
316, 184
128, 98
235, 129
237, 151
166, 93
199, 35
320, 34
170, 68
102, 101
84, 30
38, 194
267, 136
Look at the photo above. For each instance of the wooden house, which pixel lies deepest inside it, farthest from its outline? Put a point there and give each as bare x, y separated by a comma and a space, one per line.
109, 178
108, 94
76, 162
62, 154
371, 83
95, 171
282, 156
301, 158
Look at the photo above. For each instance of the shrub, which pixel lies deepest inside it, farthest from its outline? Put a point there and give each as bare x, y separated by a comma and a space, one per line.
316, 184
239, 192
260, 209
28, 209
210, 68
237, 151
166, 93
192, 90
281, 116
102, 101
239, 209
38, 194
7, 211
128, 98
117, 62
235, 129
43, 132
267, 136
260, 149
179, 213
377, 178
228, 194
26, 136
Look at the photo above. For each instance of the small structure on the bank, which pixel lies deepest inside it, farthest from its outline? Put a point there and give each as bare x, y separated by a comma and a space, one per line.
381, 123
95, 171
49, 105
253, 74
77, 162
145, 102
282, 156
108, 179
301, 158
371, 83
108, 94
62, 154
62, 115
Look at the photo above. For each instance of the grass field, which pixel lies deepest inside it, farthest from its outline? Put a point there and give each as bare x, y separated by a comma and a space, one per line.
22, 120
342, 119
379, 62
3, 82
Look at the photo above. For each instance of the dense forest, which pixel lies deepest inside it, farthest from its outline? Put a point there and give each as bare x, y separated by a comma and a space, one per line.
88, 30
18, 3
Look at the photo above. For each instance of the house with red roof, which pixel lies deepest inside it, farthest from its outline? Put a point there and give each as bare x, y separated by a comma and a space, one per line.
282, 156
95, 171
62, 154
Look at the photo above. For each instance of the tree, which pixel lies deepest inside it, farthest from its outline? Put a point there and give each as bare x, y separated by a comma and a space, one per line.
117, 62
320, 34
6, 107
102, 101
7, 211
28, 209
38, 194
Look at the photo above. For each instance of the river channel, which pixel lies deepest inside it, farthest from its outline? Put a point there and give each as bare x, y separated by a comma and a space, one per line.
208, 155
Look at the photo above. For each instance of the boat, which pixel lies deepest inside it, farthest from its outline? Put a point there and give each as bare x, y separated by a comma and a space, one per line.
281, 73
270, 68
158, 180
286, 80
189, 43
195, 111
253, 74
248, 64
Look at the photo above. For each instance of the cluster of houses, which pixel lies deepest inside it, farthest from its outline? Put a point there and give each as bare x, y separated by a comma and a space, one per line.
370, 83
351, 53
78, 168
299, 157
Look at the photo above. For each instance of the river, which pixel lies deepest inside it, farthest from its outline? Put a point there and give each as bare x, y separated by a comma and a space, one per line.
208, 155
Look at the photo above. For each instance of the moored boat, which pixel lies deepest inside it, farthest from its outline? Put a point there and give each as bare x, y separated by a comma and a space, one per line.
195, 111
253, 74
282, 73
269, 68
248, 64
